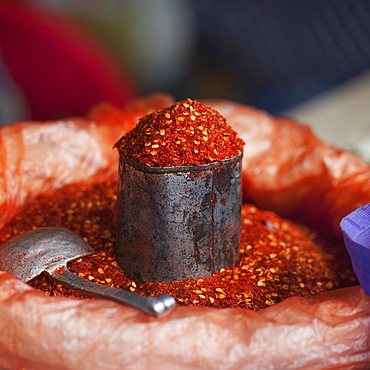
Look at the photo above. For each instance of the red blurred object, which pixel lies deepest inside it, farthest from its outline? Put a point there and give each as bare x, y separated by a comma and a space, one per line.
59, 67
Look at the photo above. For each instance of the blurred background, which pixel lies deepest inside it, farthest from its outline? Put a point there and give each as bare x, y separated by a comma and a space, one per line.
60, 57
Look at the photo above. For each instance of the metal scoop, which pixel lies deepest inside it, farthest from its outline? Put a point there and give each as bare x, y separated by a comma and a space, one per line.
49, 249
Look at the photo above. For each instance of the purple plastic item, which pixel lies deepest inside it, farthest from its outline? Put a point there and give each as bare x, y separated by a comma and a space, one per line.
356, 232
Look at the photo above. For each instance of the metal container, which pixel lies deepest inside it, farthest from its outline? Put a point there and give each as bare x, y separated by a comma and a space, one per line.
177, 223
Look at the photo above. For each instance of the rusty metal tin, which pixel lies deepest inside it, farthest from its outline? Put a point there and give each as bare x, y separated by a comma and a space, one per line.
177, 223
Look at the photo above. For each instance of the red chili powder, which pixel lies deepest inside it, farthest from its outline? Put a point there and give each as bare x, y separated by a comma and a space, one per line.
187, 133
278, 259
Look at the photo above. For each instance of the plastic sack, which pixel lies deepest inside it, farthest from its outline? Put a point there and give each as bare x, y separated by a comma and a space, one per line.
36, 157
290, 171
356, 233
286, 169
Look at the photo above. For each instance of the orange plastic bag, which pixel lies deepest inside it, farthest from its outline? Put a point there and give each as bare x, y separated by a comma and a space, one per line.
36, 157
286, 169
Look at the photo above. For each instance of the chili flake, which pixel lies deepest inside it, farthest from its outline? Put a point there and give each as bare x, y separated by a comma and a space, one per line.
207, 136
278, 259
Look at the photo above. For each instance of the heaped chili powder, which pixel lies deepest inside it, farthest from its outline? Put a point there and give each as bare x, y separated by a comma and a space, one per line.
187, 133
278, 259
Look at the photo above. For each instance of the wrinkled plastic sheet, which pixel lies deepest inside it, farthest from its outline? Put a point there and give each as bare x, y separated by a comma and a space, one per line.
286, 169
356, 232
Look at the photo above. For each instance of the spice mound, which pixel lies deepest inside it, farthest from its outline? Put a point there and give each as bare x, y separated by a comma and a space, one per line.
278, 259
187, 133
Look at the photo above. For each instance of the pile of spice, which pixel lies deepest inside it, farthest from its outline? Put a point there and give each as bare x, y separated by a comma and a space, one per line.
187, 133
278, 259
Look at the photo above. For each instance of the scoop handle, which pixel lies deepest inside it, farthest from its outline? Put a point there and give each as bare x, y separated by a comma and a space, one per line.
152, 306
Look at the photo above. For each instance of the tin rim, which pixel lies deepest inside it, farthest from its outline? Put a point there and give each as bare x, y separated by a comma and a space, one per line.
189, 168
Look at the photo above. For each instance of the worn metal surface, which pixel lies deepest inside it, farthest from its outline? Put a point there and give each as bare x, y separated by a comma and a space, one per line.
49, 249
178, 222
45, 249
